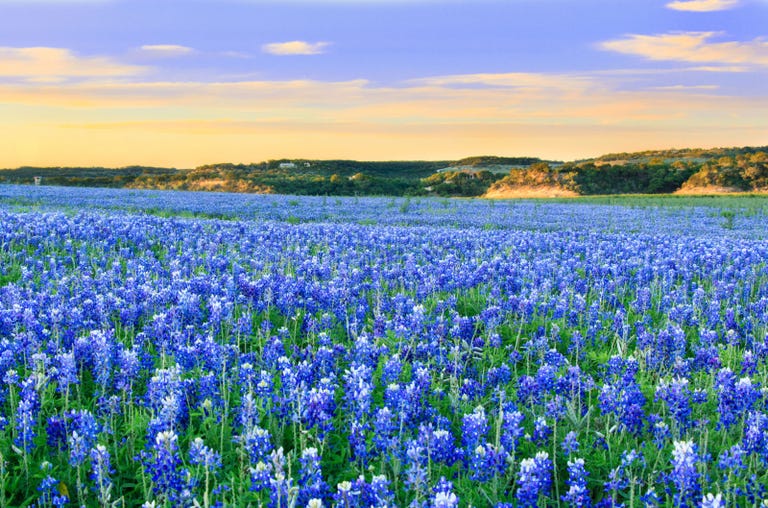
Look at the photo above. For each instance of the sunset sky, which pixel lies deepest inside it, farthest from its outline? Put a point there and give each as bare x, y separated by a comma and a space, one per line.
184, 83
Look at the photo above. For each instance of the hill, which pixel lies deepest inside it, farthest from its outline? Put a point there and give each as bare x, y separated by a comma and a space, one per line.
689, 171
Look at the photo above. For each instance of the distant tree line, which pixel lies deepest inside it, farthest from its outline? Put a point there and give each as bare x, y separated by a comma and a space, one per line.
651, 172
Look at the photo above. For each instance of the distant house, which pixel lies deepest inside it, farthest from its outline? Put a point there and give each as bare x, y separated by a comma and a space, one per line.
38, 180
287, 165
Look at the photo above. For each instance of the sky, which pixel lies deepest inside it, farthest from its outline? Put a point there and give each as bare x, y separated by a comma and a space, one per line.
185, 83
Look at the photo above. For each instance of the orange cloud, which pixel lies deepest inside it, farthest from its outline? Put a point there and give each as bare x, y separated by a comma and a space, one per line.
166, 50
693, 47
295, 48
702, 5
41, 63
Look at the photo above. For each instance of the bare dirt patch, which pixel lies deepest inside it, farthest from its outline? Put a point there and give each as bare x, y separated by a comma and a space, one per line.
504, 192
706, 189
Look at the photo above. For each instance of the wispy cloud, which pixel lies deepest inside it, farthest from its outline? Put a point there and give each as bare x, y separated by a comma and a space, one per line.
295, 48
166, 50
702, 5
687, 87
695, 47
526, 80
51, 64
120, 122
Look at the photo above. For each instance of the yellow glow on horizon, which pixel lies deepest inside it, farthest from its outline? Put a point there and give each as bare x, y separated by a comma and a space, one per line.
187, 124
184, 145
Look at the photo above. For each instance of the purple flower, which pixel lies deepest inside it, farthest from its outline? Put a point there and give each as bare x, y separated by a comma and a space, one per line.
534, 480
100, 473
473, 429
541, 431
281, 492
163, 464
27, 414
677, 396
311, 483
511, 429
578, 494
202, 455
486, 462
685, 475
443, 495
712, 501
570, 444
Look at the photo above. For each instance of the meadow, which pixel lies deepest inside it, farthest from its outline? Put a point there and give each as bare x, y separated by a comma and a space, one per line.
164, 349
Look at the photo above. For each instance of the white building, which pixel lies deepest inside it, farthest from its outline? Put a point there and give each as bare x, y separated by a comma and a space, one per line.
287, 165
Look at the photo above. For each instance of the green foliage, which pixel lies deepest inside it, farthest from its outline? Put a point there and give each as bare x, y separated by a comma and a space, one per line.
651, 172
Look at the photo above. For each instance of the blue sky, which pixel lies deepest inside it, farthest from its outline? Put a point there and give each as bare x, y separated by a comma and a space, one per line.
185, 83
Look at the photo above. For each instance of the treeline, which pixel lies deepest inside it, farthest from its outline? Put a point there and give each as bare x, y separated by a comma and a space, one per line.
742, 169
652, 172
492, 160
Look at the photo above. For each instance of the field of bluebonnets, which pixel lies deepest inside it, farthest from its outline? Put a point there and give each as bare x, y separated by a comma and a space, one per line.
174, 349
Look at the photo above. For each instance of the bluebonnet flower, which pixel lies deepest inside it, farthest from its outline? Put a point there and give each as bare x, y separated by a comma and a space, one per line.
511, 429
748, 364
443, 495
345, 496
282, 494
626, 475
66, 371
651, 498
578, 494
56, 429
78, 448
27, 413
570, 444
83, 436
102, 345
534, 480
384, 428
359, 493
661, 433
474, 429
677, 396
442, 447
499, 376
165, 393
127, 369
50, 494
755, 438
379, 494
319, 407
624, 399
528, 390
415, 472
311, 483
163, 463
248, 412
260, 474
712, 501
731, 461
470, 390
257, 442
541, 431
486, 461
685, 475
391, 371
202, 455
101, 470
735, 398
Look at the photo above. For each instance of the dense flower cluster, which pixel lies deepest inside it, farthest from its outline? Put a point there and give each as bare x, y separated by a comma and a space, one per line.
322, 352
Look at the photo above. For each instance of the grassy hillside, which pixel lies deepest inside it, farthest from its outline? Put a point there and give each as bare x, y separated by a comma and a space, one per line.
651, 172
